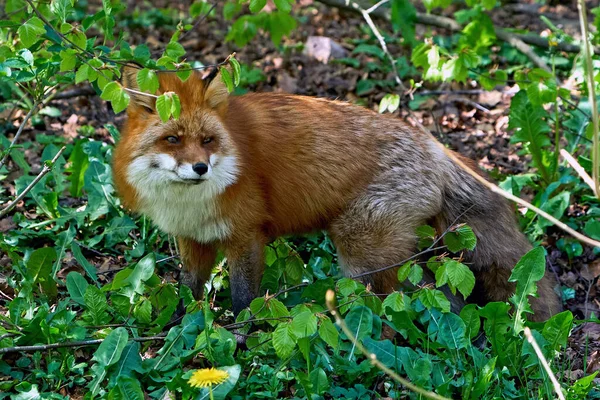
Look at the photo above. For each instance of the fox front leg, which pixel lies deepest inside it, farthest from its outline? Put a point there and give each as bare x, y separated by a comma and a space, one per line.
246, 267
198, 260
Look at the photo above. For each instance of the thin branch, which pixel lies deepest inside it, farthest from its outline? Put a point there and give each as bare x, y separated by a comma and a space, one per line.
47, 168
21, 127
91, 342
452, 25
198, 22
578, 168
330, 298
367, 17
542, 359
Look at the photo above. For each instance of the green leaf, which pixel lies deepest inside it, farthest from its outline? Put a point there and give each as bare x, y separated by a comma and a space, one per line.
542, 88
284, 5
108, 353
142, 271
236, 69
404, 271
556, 330
39, 264
329, 333
395, 302
31, 31
76, 286
416, 274
96, 306
118, 230
458, 275
385, 351
118, 97
226, 76
174, 50
79, 162
147, 80
452, 332
68, 60
527, 272
127, 388
284, 340
164, 104
592, 229
470, 316
304, 324
257, 5
460, 238
432, 298
360, 321
89, 269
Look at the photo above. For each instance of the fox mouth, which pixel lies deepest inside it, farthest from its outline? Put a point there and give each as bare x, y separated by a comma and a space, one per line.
190, 181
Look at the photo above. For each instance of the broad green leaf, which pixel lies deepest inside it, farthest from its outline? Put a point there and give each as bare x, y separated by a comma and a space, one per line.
147, 80
284, 340
39, 264
416, 274
142, 271
284, 5
329, 333
31, 31
96, 306
108, 353
452, 332
396, 302
127, 388
164, 105
360, 321
432, 298
385, 351
404, 17
304, 324
236, 69
89, 269
76, 286
79, 162
220, 391
470, 317
460, 238
556, 330
68, 60
115, 93
527, 272
257, 5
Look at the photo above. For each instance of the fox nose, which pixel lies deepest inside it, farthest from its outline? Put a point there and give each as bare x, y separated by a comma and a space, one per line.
200, 168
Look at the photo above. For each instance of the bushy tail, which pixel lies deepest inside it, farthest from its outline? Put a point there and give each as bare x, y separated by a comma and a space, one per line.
500, 243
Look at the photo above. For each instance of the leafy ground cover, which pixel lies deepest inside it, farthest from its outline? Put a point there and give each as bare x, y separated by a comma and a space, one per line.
95, 288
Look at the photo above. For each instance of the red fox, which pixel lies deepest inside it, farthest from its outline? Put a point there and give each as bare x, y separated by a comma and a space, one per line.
235, 172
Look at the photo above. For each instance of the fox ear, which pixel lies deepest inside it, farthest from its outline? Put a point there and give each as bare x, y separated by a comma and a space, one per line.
216, 93
129, 81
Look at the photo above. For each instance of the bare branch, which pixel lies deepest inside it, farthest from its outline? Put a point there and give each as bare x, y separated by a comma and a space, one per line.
21, 127
542, 359
47, 168
91, 342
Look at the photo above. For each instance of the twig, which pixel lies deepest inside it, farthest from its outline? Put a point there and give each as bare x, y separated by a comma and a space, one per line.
21, 127
47, 168
68, 94
578, 168
588, 53
198, 22
91, 342
330, 299
516, 40
367, 17
542, 359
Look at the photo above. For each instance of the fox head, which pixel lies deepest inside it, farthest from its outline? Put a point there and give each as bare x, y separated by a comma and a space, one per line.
194, 150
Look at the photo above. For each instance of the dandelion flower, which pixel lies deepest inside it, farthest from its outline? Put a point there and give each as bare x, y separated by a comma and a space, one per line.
207, 377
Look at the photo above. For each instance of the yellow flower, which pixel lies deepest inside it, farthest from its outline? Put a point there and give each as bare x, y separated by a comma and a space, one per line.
207, 377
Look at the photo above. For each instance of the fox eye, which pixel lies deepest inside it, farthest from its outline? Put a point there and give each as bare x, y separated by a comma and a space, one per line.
148, 110
207, 140
172, 139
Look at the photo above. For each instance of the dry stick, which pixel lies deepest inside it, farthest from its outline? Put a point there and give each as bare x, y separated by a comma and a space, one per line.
542, 359
578, 168
330, 298
14, 141
81, 343
592, 95
518, 41
47, 168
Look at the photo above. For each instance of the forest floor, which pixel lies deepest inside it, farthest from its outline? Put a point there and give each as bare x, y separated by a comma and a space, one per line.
467, 119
